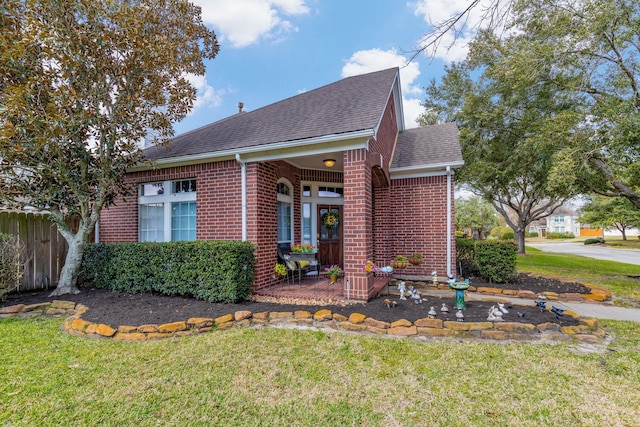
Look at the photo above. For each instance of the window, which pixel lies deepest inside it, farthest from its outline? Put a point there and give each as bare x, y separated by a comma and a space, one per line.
285, 214
167, 211
330, 192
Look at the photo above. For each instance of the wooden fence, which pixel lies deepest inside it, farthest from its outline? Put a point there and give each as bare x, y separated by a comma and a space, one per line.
46, 249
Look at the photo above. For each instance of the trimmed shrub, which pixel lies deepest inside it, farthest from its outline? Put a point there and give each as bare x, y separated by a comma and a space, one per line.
499, 232
214, 271
565, 235
594, 240
532, 234
509, 235
11, 264
466, 257
496, 259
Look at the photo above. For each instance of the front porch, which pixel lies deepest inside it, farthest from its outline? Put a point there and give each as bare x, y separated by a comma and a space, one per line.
318, 291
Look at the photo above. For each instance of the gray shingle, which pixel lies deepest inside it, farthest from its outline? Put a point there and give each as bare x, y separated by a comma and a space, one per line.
348, 105
428, 145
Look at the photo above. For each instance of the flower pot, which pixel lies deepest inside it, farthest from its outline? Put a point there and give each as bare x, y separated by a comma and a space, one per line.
334, 278
415, 261
399, 264
278, 276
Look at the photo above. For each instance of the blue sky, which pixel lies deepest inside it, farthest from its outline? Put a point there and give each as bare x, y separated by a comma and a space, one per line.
274, 49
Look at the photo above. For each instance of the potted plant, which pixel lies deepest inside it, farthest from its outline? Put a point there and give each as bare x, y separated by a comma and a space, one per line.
279, 271
416, 259
334, 271
299, 248
400, 262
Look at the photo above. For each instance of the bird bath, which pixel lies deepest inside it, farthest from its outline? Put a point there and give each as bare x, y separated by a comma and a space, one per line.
460, 287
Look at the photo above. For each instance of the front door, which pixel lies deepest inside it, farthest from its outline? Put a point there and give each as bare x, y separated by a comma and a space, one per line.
330, 235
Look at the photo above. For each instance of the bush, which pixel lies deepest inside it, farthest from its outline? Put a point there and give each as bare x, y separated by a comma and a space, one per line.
12, 261
214, 271
499, 232
466, 257
532, 234
565, 235
594, 240
509, 235
496, 259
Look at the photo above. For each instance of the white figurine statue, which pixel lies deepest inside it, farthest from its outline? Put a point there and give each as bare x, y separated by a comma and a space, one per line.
502, 309
495, 315
459, 315
414, 295
432, 313
444, 308
402, 289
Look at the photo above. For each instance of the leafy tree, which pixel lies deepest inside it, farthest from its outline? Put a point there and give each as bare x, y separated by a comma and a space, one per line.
476, 214
82, 82
510, 131
615, 212
592, 49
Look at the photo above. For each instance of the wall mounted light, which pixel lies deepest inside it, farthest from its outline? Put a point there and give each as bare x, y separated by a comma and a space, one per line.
329, 162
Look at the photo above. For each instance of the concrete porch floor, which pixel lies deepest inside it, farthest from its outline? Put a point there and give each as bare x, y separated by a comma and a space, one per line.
317, 291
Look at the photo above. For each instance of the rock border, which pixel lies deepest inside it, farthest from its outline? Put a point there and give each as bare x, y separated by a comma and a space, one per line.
588, 330
597, 294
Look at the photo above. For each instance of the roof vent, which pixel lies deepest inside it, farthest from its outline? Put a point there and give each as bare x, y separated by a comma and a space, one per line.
240, 105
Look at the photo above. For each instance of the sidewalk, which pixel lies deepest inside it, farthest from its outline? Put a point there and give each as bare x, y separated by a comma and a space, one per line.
595, 310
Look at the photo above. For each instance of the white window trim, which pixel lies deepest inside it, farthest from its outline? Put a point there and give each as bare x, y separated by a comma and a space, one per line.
287, 199
167, 198
315, 200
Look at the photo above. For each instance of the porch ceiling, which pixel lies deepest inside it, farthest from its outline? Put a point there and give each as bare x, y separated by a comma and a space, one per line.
315, 161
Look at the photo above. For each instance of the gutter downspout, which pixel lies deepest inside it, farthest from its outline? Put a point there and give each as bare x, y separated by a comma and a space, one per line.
243, 180
449, 225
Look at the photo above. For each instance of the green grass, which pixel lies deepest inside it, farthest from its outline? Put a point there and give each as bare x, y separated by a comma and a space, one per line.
632, 242
270, 376
622, 279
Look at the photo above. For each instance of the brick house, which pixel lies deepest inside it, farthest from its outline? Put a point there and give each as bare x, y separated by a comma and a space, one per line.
270, 175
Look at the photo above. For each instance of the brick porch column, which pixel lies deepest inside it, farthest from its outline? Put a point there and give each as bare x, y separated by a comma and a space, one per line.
357, 225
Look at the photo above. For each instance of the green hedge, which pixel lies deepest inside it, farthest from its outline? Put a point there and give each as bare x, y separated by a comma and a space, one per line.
214, 271
493, 260
594, 241
565, 235
496, 259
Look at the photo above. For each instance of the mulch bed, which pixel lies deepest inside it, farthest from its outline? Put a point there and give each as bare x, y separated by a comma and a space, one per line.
117, 309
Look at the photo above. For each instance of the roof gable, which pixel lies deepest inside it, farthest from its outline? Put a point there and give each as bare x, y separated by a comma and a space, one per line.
434, 145
349, 105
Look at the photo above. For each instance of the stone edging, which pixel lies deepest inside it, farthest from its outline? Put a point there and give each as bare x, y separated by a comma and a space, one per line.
587, 331
597, 294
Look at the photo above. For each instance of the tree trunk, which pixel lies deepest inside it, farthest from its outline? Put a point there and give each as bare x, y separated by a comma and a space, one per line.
519, 236
624, 233
69, 274
77, 242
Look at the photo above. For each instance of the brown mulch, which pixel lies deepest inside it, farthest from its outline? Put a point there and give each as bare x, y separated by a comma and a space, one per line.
115, 309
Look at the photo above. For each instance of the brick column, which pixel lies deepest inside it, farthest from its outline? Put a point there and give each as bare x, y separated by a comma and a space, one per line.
358, 229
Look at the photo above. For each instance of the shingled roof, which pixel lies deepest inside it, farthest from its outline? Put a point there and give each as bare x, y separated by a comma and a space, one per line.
429, 145
349, 105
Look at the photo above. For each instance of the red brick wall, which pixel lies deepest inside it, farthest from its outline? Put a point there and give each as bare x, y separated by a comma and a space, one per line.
218, 202
358, 228
262, 211
416, 222
219, 207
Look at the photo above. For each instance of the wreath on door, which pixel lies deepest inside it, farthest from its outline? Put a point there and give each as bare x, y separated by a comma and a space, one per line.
330, 219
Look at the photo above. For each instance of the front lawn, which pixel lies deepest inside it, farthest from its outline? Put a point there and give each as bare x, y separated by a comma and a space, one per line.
621, 279
270, 376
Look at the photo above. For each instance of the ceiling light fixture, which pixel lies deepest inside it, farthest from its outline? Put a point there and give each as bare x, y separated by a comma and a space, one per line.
329, 162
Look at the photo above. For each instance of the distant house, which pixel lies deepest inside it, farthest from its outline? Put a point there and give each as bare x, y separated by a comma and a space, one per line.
271, 176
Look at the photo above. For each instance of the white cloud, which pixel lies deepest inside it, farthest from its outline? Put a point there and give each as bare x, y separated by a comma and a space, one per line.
245, 22
366, 61
437, 11
207, 96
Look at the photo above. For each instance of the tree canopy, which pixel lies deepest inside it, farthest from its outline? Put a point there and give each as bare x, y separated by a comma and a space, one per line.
476, 214
82, 83
510, 131
589, 51
616, 212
